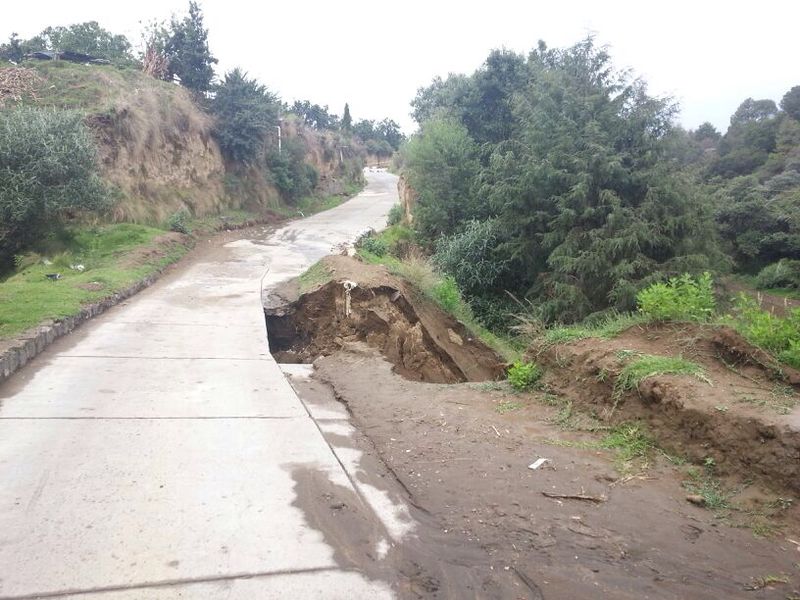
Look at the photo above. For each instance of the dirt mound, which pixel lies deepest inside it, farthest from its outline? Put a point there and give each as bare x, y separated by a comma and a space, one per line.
364, 303
739, 415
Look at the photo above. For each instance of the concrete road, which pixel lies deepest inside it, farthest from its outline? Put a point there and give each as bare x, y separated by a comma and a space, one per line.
159, 452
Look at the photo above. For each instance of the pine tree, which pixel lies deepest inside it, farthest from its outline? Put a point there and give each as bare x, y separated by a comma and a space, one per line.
347, 120
188, 53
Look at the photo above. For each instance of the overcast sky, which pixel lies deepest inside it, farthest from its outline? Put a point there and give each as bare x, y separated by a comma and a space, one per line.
708, 55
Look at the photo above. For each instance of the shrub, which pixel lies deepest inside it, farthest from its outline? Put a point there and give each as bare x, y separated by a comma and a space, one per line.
447, 294
778, 335
246, 114
468, 257
396, 214
523, 375
374, 245
48, 167
782, 274
179, 221
680, 299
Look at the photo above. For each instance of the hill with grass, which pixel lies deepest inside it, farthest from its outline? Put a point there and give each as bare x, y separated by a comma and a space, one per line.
156, 145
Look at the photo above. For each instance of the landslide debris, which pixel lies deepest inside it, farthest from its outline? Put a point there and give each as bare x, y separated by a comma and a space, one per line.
356, 302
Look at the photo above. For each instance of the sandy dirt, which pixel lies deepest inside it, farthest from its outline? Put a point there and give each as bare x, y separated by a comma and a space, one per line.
464, 462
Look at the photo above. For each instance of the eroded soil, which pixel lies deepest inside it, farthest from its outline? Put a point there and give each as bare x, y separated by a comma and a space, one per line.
356, 302
743, 413
463, 452
708, 511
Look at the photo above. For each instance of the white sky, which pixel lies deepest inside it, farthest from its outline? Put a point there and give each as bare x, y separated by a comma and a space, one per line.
709, 55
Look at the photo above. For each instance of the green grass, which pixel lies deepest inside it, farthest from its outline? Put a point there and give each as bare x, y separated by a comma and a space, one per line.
316, 274
28, 297
606, 329
310, 205
507, 406
632, 445
643, 366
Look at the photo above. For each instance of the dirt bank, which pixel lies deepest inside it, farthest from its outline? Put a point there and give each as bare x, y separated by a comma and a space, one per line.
741, 413
354, 302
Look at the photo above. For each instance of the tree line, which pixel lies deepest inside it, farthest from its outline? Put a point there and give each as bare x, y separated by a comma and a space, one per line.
556, 178
48, 159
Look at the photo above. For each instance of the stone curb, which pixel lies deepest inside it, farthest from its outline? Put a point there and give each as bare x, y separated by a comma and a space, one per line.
34, 341
37, 339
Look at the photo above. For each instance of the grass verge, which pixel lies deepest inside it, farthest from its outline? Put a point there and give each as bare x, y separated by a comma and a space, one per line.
93, 263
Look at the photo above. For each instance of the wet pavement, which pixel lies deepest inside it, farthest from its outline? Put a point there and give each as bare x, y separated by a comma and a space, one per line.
160, 452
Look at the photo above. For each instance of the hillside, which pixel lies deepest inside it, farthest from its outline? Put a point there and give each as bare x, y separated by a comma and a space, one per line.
156, 145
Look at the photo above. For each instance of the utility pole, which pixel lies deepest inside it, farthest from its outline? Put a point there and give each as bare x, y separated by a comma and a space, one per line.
278, 127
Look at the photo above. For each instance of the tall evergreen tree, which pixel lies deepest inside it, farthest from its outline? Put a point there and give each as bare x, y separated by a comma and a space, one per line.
347, 120
188, 53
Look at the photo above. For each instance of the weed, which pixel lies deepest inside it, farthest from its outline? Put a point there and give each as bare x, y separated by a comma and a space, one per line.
633, 444
710, 489
508, 406
645, 366
523, 375
781, 400
682, 298
316, 274
759, 583
446, 293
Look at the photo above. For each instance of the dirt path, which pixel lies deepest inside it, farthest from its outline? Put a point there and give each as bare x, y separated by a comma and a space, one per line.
462, 453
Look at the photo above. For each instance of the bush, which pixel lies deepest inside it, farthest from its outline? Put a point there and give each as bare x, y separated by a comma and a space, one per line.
468, 256
396, 214
523, 375
179, 221
680, 299
374, 245
246, 114
48, 168
782, 274
779, 336
447, 294
288, 170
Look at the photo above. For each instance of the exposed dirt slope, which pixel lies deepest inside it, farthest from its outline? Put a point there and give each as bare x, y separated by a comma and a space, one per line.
744, 417
360, 302
156, 145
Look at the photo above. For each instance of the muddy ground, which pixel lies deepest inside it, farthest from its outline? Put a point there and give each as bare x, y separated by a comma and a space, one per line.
708, 511
463, 456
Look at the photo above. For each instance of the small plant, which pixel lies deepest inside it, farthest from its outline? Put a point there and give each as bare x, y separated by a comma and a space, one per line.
682, 298
645, 366
446, 293
179, 221
508, 406
778, 335
632, 443
523, 375
395, 215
